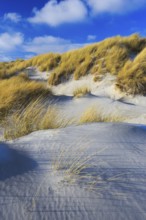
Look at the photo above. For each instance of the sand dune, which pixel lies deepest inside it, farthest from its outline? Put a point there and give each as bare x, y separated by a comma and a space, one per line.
36, 191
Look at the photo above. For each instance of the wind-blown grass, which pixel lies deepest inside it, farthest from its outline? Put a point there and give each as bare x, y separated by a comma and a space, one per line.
19, 91
30, 118
37, 115
45, 62
81, 91
108, 56
92, 114
132, 77
75, 164
113, 55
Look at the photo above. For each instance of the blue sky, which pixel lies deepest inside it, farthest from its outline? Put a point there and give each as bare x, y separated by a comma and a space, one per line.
32, 27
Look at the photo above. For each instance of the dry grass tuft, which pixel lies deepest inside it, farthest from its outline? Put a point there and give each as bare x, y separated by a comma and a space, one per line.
82, 91
132, 77
19, 91
74, 164
30, 118
37, 115
92, 114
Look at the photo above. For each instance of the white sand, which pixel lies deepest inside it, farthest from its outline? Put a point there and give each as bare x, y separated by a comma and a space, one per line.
115, 188
30, 189
105, 97
35, 74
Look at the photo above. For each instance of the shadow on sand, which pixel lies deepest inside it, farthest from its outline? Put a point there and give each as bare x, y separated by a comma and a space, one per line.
14, 162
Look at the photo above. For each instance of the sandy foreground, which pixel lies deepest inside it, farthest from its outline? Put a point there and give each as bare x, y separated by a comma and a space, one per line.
112, 187
86, 172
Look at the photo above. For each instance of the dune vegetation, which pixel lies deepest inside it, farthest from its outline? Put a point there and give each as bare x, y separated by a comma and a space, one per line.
123, 57
37, 115
81, 91
18, 91
45, 62
132, 77
120, 56
92, 114
28, 118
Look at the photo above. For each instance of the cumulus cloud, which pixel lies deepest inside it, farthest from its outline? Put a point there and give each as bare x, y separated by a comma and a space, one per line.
91, 37
54, 13
9, 42
45, 44
114, 6
14, 17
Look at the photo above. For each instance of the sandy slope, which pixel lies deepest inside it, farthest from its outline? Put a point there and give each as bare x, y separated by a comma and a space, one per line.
31, 189
104, 97
113, 187
75, 107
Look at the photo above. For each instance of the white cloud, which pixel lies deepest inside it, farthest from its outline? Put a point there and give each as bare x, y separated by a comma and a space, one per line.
9, 42
14, 17
4, 58
91, 37
13, 46
114, 6
54, 13
47, 44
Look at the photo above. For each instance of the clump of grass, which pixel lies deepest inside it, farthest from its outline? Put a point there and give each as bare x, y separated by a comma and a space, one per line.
92, 114
30, 118
24, 75
19, 91
97, 78
132, 77
75, 164
81, 91
89, 116
37, 115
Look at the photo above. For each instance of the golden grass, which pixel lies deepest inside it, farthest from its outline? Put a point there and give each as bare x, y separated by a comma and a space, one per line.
18, 91
75, 164
45, 62
81, 91
132, 77
92, 114
112, 55
109, 55
30, 118
37, 115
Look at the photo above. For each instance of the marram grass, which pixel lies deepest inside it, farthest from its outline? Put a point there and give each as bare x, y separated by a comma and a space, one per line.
81, 91
93, 114
37, 115
120, 56
18, 91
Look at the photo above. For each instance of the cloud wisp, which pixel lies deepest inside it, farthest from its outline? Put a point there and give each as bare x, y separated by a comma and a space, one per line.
91, 37
14, 44
13, 17
45, 44
54, 13
9, 42
114, 6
